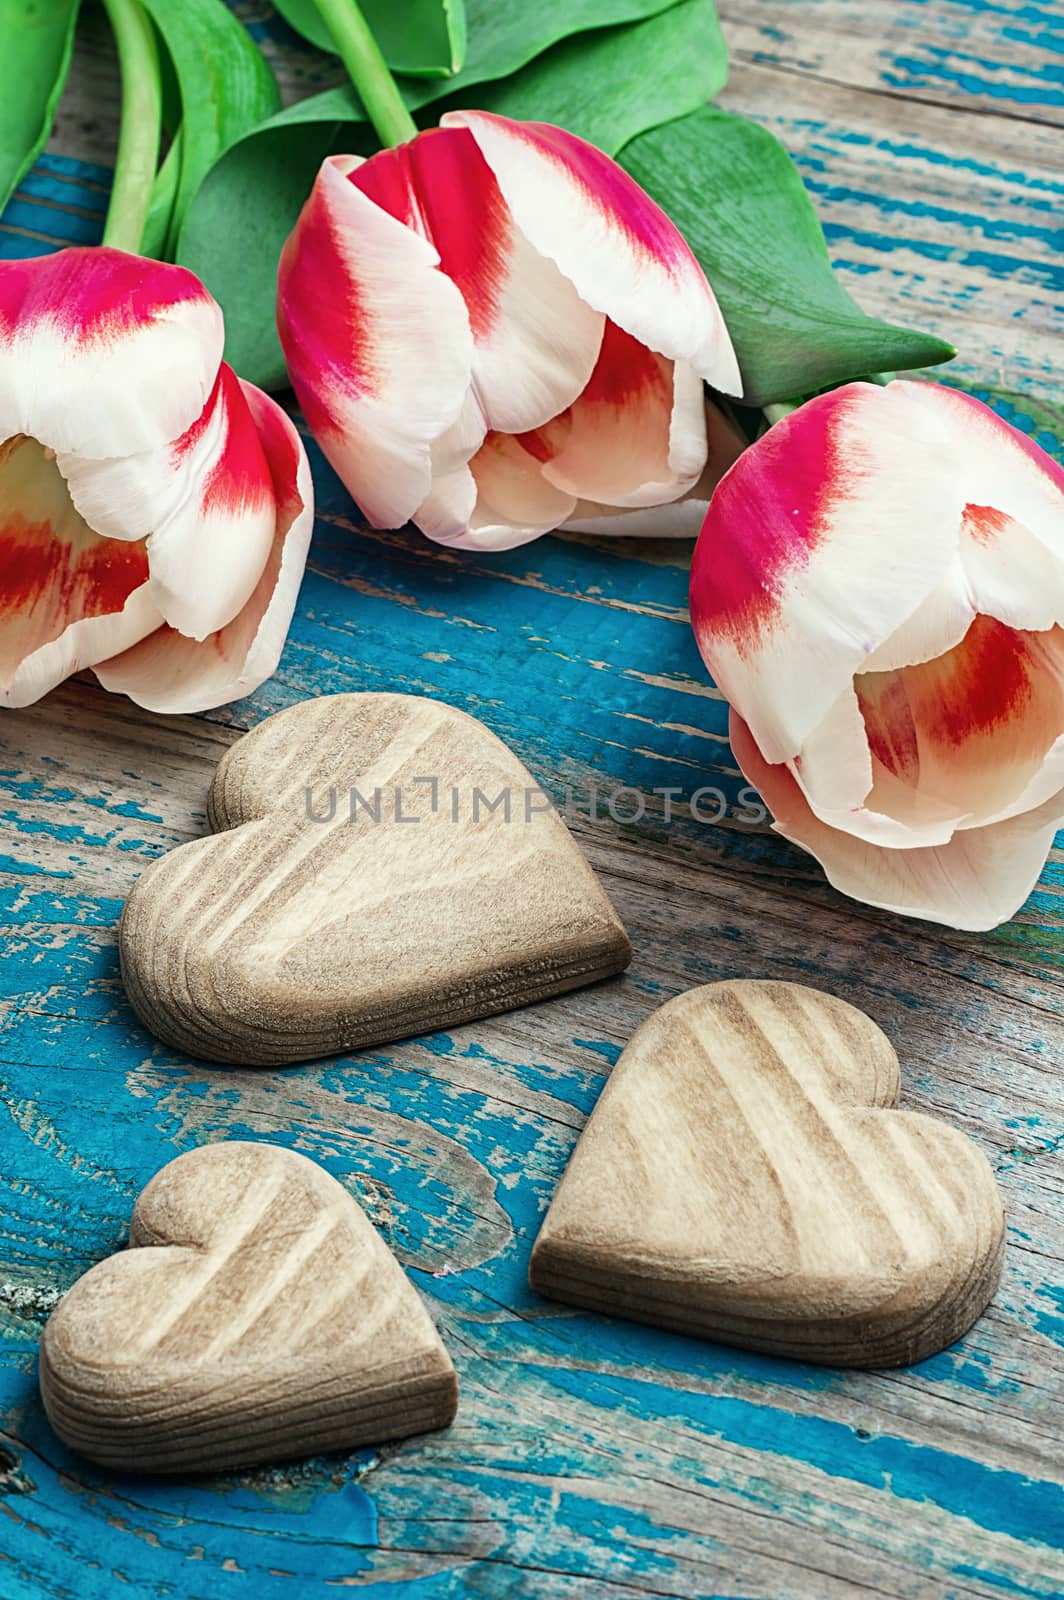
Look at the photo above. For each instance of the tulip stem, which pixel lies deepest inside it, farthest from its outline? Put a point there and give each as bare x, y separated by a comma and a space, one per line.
141, 125
368, 70
779, 409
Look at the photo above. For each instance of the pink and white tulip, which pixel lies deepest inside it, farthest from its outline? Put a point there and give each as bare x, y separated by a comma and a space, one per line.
493, 331
155, 511
879, 592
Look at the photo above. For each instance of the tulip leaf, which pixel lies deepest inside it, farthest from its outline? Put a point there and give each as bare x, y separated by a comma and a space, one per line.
37, 42
226, 87
422, 38
610, 85
639, 77
735, 194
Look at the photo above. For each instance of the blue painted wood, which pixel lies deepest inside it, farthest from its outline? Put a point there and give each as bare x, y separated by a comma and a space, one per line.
590, 1458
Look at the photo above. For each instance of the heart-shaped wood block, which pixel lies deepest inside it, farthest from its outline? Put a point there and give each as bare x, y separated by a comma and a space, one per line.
359, 887
743, 1178
260, 1316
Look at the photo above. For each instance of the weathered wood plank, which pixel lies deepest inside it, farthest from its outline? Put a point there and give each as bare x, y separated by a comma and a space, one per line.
993, 56
940, 219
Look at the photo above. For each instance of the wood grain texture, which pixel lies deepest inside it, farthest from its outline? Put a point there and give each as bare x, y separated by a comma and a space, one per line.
742, 1178
257, 1316
383, 866
592, 1458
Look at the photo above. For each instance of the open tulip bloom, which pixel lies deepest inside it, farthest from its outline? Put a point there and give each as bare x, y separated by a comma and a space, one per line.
155, 511
879, 591
492, 331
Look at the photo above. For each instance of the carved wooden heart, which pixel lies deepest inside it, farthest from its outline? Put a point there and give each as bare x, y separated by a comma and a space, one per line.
322, 920
259, 1317
742, 1178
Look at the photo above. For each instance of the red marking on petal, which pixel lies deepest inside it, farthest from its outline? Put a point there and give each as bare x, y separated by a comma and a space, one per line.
53, 569
327, 334
91, 295
972, 726
626, 371
980, 683
607, 188
83, 582
440, 186
239, 479
542, 444
889, 725
767, 516
984, 523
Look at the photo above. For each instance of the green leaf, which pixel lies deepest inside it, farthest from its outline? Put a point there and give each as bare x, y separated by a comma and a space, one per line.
422, 38
226, 86
610, 85
37, 41
734, 192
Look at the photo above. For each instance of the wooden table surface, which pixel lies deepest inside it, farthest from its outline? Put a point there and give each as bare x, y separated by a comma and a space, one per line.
590, 1458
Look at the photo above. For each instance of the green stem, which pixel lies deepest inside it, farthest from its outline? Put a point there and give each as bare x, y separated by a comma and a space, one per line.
142, 114
367, 70
156, 236
779, 409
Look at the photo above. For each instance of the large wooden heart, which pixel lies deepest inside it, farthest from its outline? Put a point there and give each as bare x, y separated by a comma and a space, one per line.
742, 1178
259, 1317
360, 888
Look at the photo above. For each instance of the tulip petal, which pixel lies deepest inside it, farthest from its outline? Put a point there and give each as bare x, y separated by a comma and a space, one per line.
205, 502
170, 672
104, 353
67, 597
445, 512
676, 519
535, 341
378, 343
1003, 469
790, 593
637, 434
514, 503
847, 786
977, 880
626, 258
972, 728
1009, 572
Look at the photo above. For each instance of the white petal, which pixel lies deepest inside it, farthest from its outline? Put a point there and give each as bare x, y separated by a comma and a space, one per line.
104, 353
206, 503
980, 878
170, 672
626, 258
377, 340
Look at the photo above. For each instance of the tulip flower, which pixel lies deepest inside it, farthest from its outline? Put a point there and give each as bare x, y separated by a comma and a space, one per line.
154, 511
879, 592
492, 331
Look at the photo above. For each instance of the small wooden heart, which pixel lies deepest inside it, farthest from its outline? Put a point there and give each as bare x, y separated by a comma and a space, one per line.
743, 1178
259, 1317
360, 888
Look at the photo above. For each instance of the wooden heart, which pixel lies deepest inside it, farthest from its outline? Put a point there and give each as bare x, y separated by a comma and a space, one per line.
742, 1178
260, 1316
358, 889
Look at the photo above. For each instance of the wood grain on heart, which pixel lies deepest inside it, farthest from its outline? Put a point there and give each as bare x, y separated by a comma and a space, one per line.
316, 920
744, 1178
260, 1316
